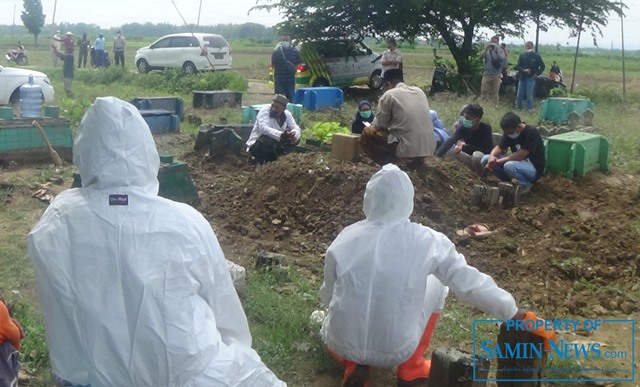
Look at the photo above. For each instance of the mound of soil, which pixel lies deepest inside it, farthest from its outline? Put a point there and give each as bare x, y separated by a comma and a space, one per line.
570, 248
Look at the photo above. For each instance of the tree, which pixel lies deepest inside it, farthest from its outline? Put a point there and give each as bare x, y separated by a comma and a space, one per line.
456, 22
33, 18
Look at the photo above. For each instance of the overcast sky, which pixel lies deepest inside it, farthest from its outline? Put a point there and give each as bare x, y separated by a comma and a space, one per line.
111, 13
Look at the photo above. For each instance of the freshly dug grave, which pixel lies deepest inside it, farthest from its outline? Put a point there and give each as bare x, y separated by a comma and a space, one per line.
572, 247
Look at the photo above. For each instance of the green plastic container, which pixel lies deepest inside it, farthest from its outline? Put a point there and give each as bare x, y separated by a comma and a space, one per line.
249, 113
51, 111
557, 110
6, 112
175, 181
576, 153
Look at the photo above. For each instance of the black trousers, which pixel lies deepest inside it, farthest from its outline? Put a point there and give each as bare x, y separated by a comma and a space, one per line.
267, 149
119, 57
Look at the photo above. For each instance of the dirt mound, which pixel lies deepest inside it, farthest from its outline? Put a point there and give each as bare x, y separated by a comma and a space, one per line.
571, 247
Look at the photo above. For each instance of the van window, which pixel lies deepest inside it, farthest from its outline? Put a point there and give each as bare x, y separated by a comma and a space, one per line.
180, 41
162, 43
215, 41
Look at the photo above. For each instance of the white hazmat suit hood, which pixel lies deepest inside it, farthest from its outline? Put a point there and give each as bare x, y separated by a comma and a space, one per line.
114, 150
134, 288
384, 278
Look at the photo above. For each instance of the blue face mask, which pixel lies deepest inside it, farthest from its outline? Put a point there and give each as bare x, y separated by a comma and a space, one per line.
365, 114
513, 136
285, 44
467, 123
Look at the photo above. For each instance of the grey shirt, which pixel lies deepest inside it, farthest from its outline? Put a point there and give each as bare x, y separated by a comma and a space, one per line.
404, 112
489, 56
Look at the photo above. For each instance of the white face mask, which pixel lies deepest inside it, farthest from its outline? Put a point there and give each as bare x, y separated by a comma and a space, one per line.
514, 136
285, 44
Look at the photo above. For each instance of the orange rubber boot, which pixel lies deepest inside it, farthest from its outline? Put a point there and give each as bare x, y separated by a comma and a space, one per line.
355, 375
416, 367
9, 328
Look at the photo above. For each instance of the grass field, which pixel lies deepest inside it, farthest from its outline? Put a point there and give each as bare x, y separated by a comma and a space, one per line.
291, 348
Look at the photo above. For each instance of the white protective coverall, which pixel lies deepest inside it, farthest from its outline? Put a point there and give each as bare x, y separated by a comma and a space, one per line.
134, 287
379, 283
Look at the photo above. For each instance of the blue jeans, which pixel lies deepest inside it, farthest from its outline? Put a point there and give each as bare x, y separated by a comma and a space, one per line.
525, 89
522, 170
286, 88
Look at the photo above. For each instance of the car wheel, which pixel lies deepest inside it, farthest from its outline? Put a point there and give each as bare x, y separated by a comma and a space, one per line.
375, 80
189, 68
320, 82
143, 66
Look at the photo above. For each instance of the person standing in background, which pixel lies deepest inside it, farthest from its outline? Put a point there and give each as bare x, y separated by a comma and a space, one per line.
83, 50
285, 60
530, 66
392, 58
494, 61
99, 51
119, 43
55, 46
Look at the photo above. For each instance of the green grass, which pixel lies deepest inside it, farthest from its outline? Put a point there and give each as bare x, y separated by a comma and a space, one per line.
278, 302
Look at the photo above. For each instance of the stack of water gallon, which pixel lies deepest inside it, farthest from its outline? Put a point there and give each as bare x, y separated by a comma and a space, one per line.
30, 99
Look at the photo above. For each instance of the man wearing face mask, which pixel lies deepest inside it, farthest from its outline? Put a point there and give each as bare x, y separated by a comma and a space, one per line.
471, 140
530, 66
525, 164
275, 132
285, 60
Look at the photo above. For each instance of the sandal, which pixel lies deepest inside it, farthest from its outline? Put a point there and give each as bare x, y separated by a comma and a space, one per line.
478, 230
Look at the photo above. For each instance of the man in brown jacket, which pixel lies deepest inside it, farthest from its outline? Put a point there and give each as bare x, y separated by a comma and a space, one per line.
402, 132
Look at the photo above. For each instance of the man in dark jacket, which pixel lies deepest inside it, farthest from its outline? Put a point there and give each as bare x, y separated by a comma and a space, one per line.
83, 48
530, 66
471, 140
285, 60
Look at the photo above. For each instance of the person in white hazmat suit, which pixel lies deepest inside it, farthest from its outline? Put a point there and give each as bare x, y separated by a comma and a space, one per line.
383, 286
134, 287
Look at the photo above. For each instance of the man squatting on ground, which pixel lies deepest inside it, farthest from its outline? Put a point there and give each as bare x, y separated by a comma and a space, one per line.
275, 132
525, 164
383, 286
402, 131
134, 288
471, 140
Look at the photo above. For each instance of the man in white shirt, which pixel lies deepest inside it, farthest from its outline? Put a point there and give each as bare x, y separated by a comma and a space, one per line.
275, 132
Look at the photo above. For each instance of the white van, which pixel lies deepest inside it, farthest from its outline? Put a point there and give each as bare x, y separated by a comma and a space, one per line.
191, 52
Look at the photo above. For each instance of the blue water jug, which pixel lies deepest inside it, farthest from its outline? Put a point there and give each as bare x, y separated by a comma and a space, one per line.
30, 99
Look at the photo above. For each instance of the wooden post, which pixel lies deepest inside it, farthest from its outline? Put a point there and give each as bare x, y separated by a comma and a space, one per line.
522, 369
452, 368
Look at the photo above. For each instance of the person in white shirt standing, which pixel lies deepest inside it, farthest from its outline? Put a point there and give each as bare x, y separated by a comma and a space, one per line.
56, 45
275, 132
119, 44
392, 58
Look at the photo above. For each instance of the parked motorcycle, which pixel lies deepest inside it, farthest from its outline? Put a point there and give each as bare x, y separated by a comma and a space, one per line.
92, 54
439, 80
544, 84
18, 56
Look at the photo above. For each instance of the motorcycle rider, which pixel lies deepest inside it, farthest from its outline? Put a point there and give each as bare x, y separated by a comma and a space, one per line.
19, 56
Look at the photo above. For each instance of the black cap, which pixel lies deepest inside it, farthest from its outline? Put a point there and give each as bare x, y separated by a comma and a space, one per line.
393, 75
